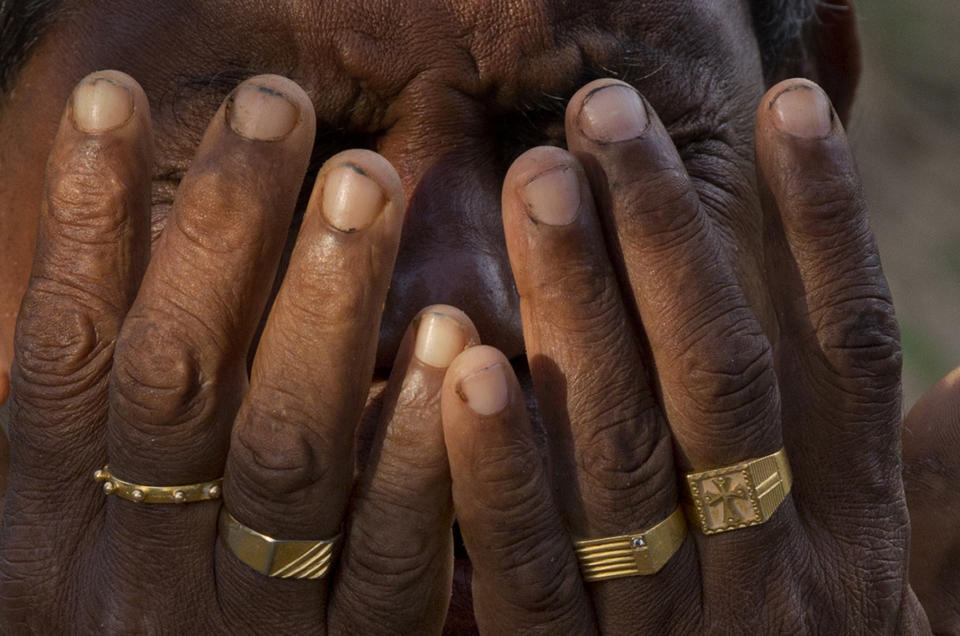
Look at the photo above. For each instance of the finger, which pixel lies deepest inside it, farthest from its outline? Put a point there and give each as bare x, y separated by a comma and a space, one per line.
290, 468
92, 247
714, 364
713, 361
845, 351
395, 572
180, 366
608, 435
525, 574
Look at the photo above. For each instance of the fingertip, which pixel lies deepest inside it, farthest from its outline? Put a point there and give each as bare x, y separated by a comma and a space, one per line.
480, 379
798, 108
268, 108
535, 160
935, 414
107, 101
474, 359
442, 333
546, 185
607, 111
356, 187
101, 102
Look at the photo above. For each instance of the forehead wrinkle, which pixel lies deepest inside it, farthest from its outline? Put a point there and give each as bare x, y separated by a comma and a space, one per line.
354, 59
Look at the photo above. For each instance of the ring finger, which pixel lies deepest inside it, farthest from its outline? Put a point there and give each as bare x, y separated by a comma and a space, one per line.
290, 468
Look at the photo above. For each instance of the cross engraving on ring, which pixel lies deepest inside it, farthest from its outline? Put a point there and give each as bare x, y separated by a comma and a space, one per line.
725, 496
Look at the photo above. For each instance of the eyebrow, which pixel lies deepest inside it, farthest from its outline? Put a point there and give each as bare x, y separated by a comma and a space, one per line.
188, 89
632, 66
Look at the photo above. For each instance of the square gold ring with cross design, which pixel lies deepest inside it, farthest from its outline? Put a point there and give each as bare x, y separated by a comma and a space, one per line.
738, 496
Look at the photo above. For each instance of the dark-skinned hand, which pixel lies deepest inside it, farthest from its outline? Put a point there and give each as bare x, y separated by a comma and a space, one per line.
139, 359
649, 362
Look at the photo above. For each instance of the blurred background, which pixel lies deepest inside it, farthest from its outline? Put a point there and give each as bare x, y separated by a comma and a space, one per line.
906, 134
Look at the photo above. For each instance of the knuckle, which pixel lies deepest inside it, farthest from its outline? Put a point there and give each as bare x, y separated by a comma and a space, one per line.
582, 303
273, 456
861, 341
391, 560
541, 581
509, 480
326, 296
221, 213
409, 471
60, 352
733, 385
827, 202
662, 211
157, 379
376, 569
89, 195
626, 458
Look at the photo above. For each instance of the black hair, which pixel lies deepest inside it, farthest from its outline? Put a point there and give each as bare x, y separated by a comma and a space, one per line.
22, 24
779, 26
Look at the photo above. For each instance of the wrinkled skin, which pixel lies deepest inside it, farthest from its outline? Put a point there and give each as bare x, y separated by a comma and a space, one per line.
449, 102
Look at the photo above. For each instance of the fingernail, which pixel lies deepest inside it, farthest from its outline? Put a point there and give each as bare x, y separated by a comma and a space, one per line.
260, 113
485, 391
440, 339
351, 199
553, 196
100, 104
613, 113
803, 111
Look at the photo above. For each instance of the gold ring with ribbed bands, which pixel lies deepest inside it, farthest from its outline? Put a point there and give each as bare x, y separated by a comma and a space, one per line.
139, 493
281, 558
739, 496
638, 554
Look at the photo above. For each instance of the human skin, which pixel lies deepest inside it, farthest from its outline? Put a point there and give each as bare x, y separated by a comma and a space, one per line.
429, 122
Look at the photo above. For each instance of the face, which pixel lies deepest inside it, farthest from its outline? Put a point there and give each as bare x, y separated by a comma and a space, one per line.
450, 91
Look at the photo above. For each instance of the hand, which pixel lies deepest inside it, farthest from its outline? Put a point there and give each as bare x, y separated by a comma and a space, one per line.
139, 360
649, 362
931, 439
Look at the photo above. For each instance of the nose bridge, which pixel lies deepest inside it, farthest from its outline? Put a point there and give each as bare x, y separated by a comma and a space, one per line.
433, 117
452, 250
446, 158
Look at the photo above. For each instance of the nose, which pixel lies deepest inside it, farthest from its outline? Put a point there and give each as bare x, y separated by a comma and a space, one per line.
452, 250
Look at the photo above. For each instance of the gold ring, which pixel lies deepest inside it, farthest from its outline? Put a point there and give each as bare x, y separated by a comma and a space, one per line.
739, 496
189, 493
285, 559
641, 553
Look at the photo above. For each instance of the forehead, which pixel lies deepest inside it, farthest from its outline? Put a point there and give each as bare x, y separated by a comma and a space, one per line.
358, 57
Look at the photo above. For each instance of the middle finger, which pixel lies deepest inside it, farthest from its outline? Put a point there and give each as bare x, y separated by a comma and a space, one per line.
714, 363
179, 369
585, 358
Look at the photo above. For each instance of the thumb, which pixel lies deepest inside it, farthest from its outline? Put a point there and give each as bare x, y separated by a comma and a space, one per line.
931, 456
